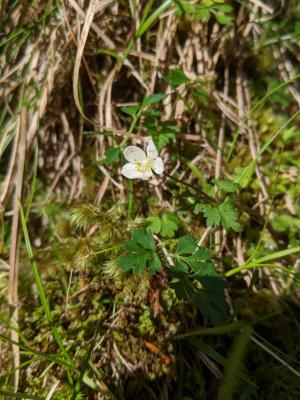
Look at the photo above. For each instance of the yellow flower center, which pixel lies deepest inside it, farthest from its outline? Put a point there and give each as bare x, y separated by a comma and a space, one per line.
143, 166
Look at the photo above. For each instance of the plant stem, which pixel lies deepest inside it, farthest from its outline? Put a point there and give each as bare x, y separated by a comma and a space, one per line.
203, 194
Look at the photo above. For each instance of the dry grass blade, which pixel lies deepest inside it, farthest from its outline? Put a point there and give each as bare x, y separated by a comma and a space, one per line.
14, 250
93, 7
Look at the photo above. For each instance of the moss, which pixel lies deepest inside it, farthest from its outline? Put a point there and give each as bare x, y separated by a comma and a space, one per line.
145, 325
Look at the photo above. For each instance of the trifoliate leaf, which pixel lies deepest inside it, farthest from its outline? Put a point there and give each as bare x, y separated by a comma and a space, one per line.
154, 224
212, 215
176, 77
229, 215
226, 185
144, 238
186, 245
154, 98
112, 155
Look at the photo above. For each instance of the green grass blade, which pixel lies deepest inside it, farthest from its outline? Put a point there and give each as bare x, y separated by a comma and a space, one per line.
266, 145
40, 289
153, 17
44, 356
216, 330
263, 261
256, 106
21, 396
233, 364
33, 183
217, 357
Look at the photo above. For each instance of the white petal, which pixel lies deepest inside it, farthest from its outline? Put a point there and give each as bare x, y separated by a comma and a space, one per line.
134, 154
158, 166
147, 175
152, 152
130, 172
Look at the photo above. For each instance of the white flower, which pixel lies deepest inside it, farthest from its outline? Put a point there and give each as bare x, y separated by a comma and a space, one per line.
140, 164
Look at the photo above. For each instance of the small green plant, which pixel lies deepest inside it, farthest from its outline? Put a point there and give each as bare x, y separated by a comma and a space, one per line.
206, 9
141, 253
223, 210
166, 225
193, 276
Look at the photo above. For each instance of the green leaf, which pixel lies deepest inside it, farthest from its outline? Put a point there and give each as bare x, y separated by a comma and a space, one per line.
112, 155
244, 175
226, 8
212, 215
180, 265
141, 263
186, 245
141, 253
202, 269
229, 215
127, 261
210, 300
154, 264
151, 112
132, 247
154, 98
201, 255
144, 238
286, 222
203, 14
161, 133
182, 285
176, 77
209, 190
169, 224
201, 95
131, 110
198, 208
199, 263
154, 224
226, 185
223, 19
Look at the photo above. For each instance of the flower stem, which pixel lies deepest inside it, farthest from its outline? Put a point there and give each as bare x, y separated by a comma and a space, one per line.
203, 194
130, 200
